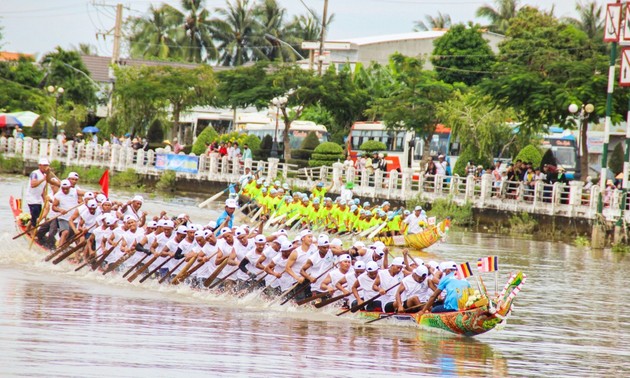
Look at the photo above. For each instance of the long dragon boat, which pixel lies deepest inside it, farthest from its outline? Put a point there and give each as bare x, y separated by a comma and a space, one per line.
421, 240
483, 317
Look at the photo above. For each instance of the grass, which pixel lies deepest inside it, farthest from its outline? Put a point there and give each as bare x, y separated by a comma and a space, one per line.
167, 182
582, 241
522, 223
442, 208
11, 165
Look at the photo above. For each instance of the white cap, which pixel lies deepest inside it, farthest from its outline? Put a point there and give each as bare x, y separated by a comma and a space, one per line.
337, 242
152, 224
127, 218
181, 216
434, 264
138, 198
371, 266
162, 222
304, 233
421, 270
286, 245
379, 251
239, 232
92, 204
225, 230
43, 161
280, 232
231, 203
88, 195
65, 184
416, 261
379, 244
398, 261
345, 257
192, 228
182, 230
111, 220
418, 208
260, 239
73, 175
200, 234
101, 198
281, 239
212, 225
169, 224
358, 244
323, 241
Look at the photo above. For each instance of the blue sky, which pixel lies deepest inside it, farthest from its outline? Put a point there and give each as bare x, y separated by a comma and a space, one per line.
37, 26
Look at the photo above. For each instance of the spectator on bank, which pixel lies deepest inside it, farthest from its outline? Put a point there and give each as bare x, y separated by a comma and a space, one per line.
360, 163
177, 147
230, 150
440, 166
470, 168
223, 151
236, 151
431, 169
247, 153
20, 133
348, 162
167, 146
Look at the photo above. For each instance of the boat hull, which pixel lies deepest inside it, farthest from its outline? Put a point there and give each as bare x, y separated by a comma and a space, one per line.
421, 240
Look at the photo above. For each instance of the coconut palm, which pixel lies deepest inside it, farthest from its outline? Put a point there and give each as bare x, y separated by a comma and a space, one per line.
590, 19
198, 45
239, 38
501, 16
157, 35
270, 17
305, 28
442, 21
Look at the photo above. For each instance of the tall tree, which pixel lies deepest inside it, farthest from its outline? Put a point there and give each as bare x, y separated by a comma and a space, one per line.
591, 20
441, 21
62, 66
199, 26
238, 35
271, 25
462, 55
501, 15
157, 35
412, 105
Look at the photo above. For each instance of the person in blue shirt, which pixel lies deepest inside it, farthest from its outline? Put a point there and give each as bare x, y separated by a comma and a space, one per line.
454, 288
226, 219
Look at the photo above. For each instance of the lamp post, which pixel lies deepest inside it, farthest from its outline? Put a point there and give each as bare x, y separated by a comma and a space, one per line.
582, 113
57, 92
278, 102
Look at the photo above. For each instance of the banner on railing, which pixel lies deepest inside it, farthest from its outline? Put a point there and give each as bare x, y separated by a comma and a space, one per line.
177, 163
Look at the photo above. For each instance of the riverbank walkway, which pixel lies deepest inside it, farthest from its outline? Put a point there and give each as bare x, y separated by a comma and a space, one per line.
572, 200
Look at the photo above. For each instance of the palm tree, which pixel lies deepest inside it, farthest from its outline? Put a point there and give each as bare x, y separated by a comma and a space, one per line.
305, 28
442, 21
158, 34
590, 19
198, 44
85, 49
238, 35
270, 17
500, 17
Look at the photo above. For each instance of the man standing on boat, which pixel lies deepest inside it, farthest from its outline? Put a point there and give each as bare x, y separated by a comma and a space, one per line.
132, 208
413, 220
454, 288
35, 193
226, 219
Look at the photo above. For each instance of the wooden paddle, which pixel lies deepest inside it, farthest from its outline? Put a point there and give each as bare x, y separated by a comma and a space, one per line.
135, 266
216, 272
65, 245
119, 262
224, 278
396, 313
143, 268
365, 303
187, 273
167, 275
63, 256
307, 283
104, 255
312, 298
41, 215
214, 197
178, 277
43, 223
331, 300
156, 269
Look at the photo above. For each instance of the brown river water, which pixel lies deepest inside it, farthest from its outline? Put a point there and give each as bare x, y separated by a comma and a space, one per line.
570, 319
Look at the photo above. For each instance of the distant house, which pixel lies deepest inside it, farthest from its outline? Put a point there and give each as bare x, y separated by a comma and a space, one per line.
7, 56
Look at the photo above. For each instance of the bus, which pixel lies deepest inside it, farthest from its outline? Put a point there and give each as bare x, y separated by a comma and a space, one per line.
563, 145
404, 148
298, 131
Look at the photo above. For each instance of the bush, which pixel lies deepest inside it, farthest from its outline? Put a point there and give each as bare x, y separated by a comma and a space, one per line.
155, 134
310, 142
522, 223
460, 215
207, 136
11, 165
167, 182
530, 154
326, 153
128, 178
466, 155
265, 147
615, 161
299, 162
549, 159
90, 175
253, 142
55, 166
372, 146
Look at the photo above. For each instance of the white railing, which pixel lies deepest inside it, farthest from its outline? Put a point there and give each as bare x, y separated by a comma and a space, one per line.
570, 200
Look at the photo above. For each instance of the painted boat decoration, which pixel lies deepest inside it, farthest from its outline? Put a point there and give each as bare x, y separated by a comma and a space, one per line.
422, 240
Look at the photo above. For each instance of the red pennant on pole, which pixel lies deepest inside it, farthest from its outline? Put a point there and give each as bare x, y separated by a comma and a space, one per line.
104, 181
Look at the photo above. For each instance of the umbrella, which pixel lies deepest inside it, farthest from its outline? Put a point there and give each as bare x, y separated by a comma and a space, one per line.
27, 118
9, 120
90, 129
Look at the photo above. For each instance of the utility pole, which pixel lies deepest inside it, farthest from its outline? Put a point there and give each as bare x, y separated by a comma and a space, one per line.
117, 34
322, 37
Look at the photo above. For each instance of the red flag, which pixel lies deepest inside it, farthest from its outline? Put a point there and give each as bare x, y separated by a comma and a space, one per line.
104, 181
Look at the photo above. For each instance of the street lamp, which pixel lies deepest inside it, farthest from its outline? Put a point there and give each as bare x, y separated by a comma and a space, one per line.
57, 92
582, 113
278, 102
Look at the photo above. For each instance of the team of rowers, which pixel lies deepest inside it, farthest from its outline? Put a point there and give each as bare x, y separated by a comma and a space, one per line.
112, 234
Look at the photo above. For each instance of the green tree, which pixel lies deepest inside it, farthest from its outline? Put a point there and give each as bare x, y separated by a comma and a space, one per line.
265, 147
477, 124
462, 55
548, 158
412, 104
155, 134
372, 146
441, 21
158, 34
543, 66
270, 17
19, 88
501, 16
207, 136
470, 153
242, 87
198, 43
590, 21
326, 153
530, 154
66, 69
238, 34
615, 160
